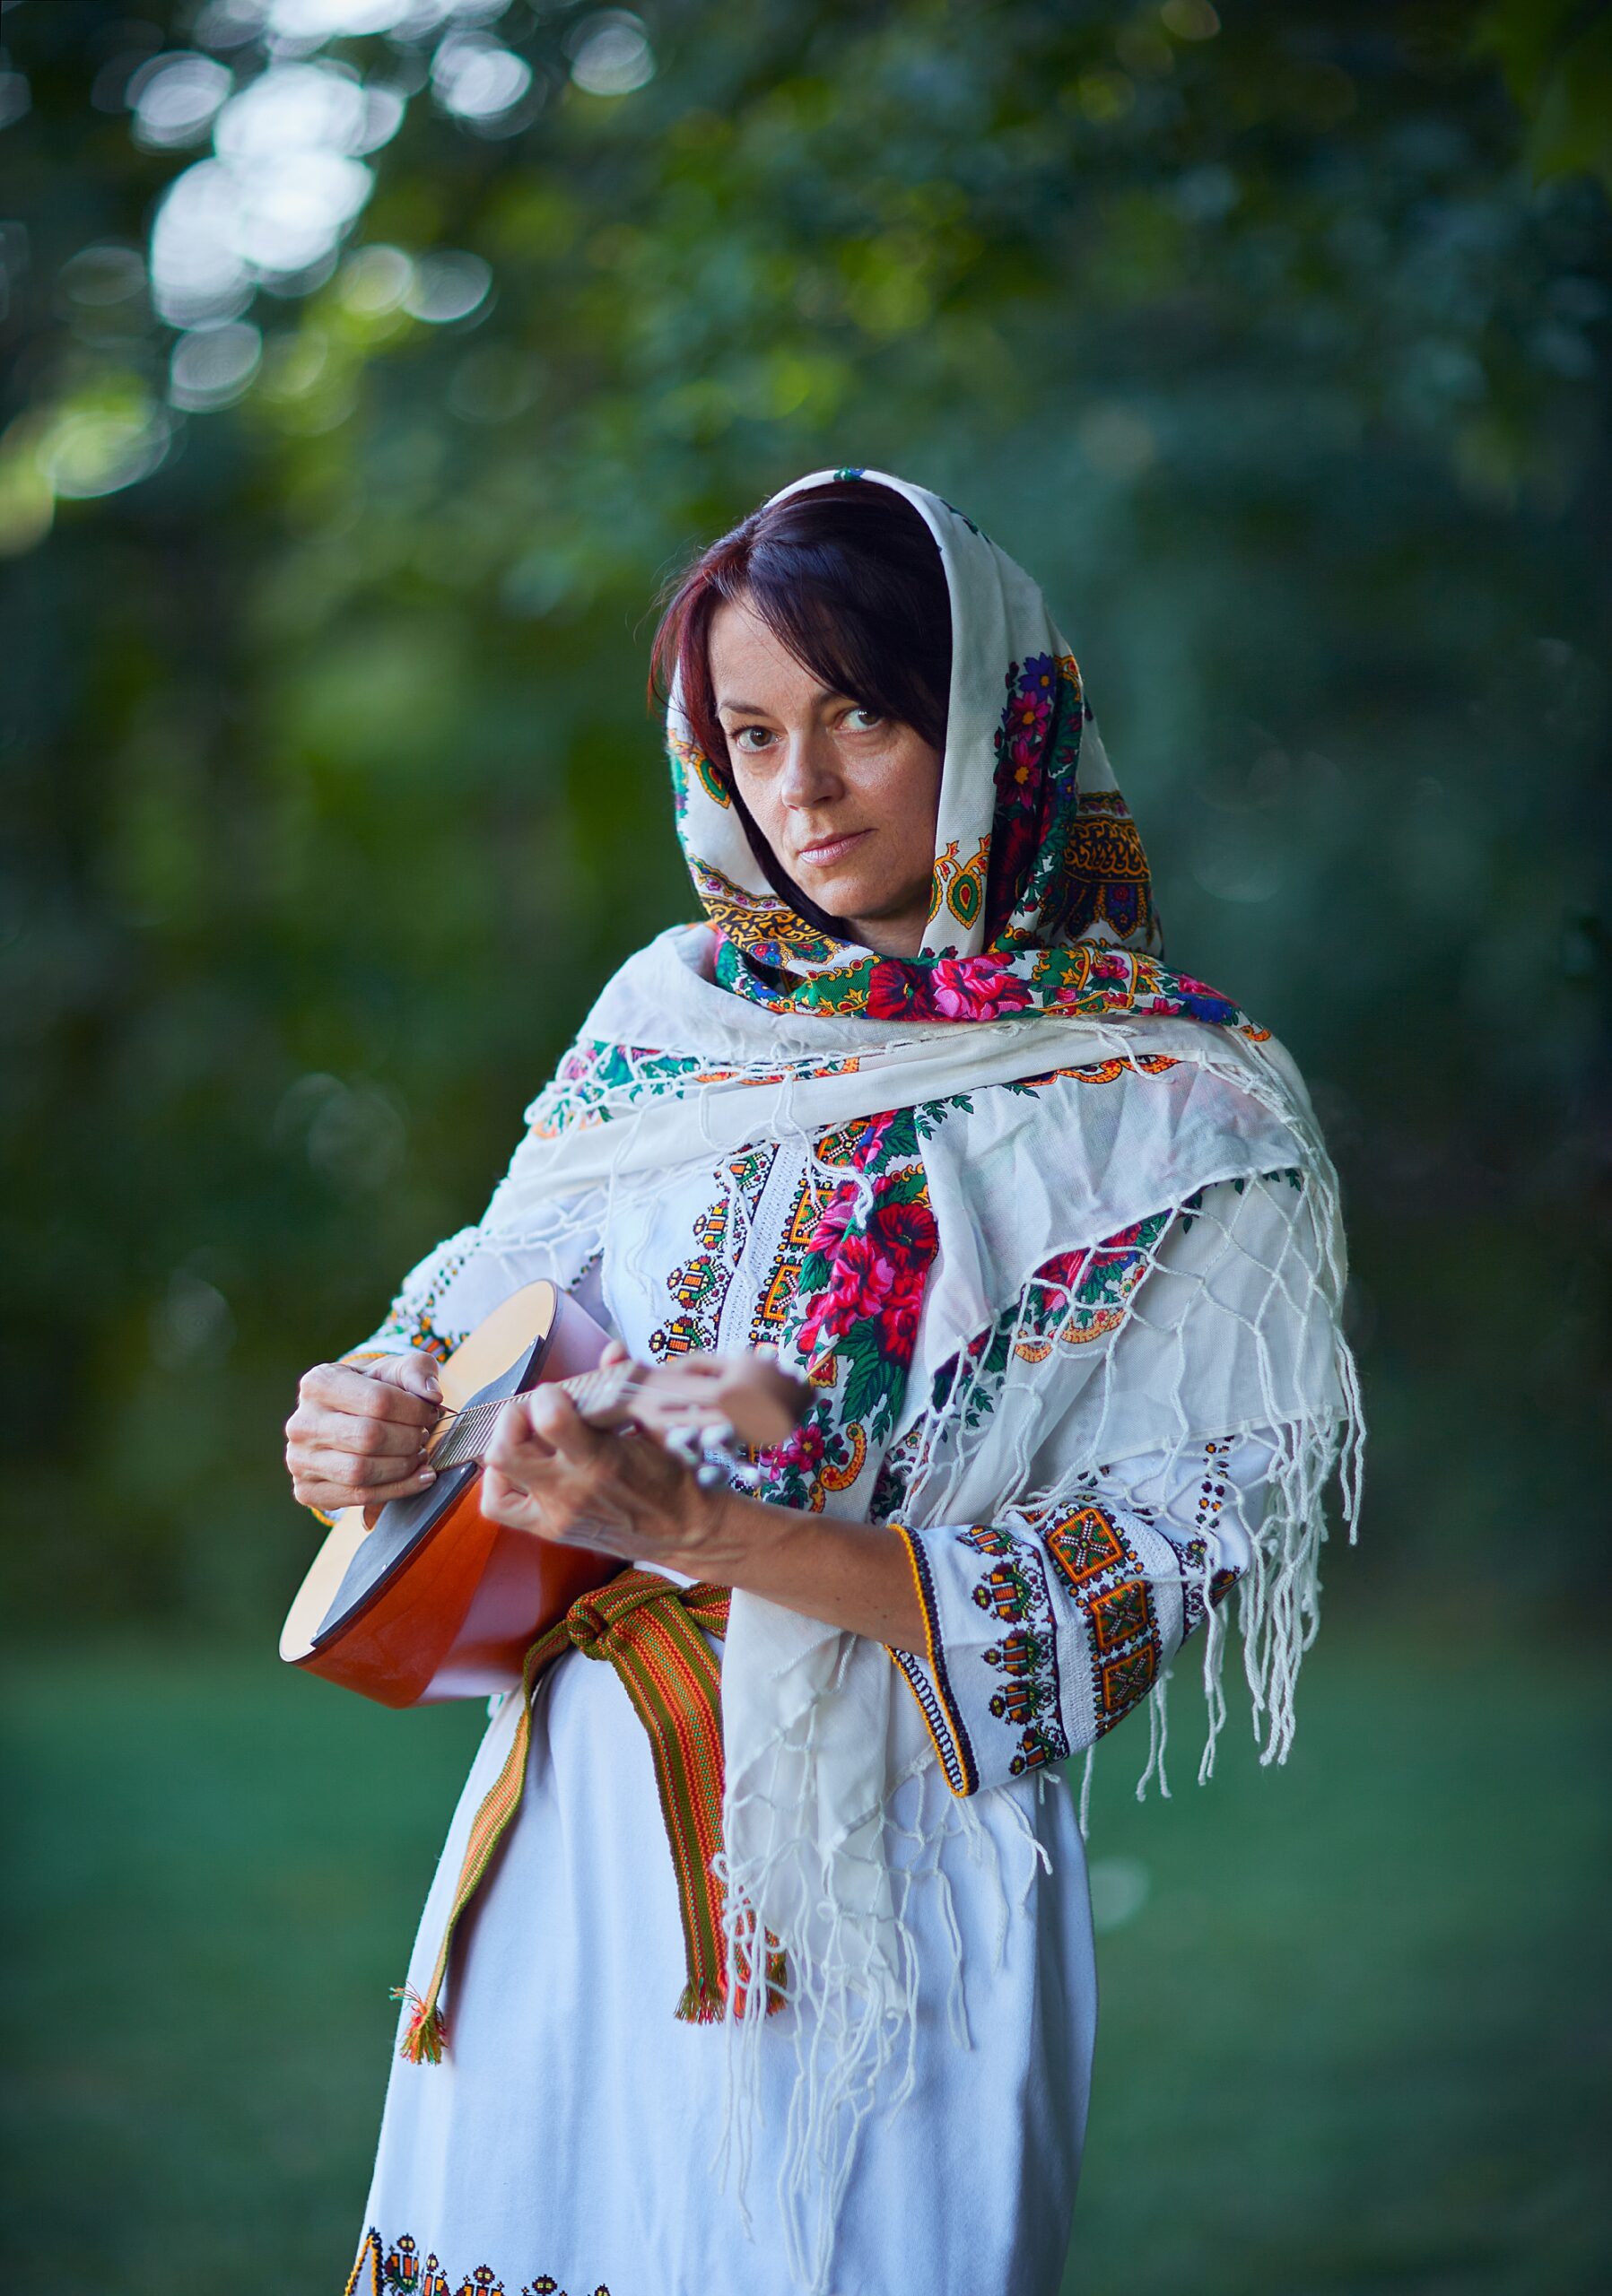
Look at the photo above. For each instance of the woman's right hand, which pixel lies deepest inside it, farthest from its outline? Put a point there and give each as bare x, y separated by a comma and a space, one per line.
358, 1435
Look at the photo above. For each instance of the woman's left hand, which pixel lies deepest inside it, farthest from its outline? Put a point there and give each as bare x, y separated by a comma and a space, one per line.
549, 1473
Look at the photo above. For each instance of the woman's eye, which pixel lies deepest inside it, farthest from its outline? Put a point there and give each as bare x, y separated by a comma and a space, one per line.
750, 741
863, 721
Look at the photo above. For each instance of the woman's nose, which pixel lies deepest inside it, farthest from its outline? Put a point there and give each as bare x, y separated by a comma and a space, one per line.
811, 771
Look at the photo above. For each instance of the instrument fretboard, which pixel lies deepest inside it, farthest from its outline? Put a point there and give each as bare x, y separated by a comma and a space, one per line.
595, 1395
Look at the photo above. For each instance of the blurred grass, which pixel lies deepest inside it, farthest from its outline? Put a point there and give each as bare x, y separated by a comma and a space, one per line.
1353, 2037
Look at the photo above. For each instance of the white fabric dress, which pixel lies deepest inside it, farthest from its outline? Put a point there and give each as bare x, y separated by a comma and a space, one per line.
571, 2139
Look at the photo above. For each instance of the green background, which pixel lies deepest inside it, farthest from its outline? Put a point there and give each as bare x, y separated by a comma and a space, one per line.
1275, 342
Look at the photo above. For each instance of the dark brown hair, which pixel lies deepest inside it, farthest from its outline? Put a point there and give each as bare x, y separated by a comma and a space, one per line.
848, 577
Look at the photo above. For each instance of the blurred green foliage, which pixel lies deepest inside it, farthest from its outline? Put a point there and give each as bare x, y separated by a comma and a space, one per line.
1274, 342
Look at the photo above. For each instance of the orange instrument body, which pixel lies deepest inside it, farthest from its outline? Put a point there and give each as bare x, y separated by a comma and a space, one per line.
437, 1601
411, 1614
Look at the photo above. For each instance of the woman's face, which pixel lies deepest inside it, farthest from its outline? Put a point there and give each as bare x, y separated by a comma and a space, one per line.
846, 799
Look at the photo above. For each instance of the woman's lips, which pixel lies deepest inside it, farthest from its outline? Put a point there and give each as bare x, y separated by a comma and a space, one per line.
830, 849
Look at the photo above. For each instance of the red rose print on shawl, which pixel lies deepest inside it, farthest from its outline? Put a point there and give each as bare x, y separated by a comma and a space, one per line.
877, 1280
860, 1293
977, 989
895, 993
953, 988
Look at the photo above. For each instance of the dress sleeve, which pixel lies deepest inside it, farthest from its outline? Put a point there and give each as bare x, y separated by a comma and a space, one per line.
1044, 1628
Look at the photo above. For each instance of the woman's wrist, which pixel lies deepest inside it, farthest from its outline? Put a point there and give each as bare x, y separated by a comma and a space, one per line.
729, 1538
856, 1575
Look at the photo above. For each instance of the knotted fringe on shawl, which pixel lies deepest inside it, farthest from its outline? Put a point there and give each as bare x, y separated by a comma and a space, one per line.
840, 1910
855, 1982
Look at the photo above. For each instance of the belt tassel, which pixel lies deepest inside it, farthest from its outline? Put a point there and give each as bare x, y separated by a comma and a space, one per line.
649, 1629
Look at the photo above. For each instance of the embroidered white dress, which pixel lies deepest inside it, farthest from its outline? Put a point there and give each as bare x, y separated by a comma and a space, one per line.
571, 2139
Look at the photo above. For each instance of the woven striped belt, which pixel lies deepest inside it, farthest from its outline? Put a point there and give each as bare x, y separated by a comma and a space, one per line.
649, 1629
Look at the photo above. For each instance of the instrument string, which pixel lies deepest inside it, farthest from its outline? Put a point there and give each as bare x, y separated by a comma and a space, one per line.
592, 1392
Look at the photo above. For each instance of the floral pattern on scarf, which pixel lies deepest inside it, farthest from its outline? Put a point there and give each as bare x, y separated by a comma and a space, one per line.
853, 1323
1041, 899
1091, 981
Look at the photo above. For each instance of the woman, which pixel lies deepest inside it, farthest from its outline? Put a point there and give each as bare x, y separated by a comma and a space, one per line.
1050, 1233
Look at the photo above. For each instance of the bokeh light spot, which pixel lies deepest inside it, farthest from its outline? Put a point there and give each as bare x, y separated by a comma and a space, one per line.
1189, 18
449, 287
376, 280
214, 366
384, 109
103, 442
27, 498
15, 97
292, 108
1233, 867
272, 206
339, 19
102, 274
228, 23
1118, 442
477, 78
1119, 1890
192, 1318
1105, 96
175, 98
610, 54
493, 384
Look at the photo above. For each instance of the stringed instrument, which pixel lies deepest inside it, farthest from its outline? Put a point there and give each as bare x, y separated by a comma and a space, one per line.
434, 1600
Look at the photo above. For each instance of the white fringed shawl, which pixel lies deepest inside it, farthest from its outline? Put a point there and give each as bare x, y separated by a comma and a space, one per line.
819, 1730
1041, 954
